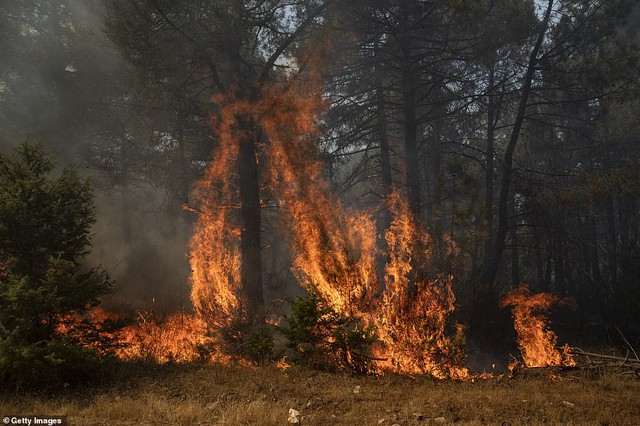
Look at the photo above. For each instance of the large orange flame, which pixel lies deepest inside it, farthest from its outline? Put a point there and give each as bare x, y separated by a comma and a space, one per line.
535, 339
413, 313
179, 338
215, 246
335, 247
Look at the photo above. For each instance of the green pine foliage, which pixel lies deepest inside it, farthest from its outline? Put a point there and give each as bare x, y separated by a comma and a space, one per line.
246, 341
321, 338
45, 231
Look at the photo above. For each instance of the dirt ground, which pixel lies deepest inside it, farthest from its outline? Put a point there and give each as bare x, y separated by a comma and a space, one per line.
220, 395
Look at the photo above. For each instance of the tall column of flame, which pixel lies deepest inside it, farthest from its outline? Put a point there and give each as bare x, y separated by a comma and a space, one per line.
413, 313
535, 339
334, 246
215, 246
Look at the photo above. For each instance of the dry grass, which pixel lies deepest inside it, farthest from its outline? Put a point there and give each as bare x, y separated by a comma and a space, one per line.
242, 396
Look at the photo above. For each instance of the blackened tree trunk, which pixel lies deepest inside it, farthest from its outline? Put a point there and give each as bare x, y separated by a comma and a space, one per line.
433, 167
489, 173
515, 253
250, 235
185, 177
383, 135
611, 241
385, 158
124, 188
410, 124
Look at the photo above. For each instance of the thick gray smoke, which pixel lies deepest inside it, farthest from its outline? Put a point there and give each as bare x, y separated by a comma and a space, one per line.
65, 84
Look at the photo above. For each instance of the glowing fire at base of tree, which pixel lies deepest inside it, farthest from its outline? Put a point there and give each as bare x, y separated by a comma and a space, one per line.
537, 342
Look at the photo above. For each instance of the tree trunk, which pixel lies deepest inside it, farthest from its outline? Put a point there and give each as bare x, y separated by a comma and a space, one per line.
410, 125
124, 187
515, 255
435, 214
492, 261
489, 174
381, 127
385, 162
559, 269
250, 235
183, 196
611, 242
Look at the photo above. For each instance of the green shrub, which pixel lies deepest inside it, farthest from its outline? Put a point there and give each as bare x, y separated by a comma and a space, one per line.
321, 338
45, 226
246, 341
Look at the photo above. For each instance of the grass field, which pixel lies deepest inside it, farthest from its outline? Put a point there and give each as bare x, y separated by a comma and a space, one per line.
222, 395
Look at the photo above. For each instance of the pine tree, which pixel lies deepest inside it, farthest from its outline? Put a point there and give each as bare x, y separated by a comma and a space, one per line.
45, 231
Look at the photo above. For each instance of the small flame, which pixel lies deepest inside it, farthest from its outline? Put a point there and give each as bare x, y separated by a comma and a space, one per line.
535, 338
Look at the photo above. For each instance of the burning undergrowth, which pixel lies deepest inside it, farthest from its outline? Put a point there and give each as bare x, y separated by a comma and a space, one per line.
536, 340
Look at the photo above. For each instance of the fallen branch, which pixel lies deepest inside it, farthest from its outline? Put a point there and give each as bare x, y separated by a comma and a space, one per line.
623, 361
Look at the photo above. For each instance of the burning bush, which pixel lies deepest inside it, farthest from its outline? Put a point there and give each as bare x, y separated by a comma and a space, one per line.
176, 338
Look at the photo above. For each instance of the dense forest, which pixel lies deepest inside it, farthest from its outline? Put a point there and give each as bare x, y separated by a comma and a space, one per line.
507, 130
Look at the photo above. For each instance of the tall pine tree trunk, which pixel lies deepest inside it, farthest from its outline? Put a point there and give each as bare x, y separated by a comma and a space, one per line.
250, 234
124, 187
410, 125
492, 260
489, 174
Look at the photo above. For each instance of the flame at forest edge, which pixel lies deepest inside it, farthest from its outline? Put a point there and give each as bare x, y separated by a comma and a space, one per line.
535, 339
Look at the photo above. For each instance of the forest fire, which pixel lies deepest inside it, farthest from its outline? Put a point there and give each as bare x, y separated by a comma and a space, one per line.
334, 246
412, 315
215, 245
536, 340
335, 255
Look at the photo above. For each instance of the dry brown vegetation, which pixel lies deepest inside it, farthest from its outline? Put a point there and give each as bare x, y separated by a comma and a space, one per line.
263, 396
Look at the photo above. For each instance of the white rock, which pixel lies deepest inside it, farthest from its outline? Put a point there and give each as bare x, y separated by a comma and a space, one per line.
356, 389
294, 416
568, 404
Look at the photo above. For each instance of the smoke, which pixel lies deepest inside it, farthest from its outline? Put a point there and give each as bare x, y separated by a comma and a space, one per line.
65, 84
150, 270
